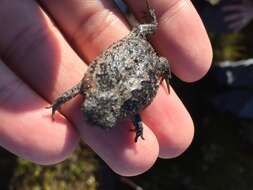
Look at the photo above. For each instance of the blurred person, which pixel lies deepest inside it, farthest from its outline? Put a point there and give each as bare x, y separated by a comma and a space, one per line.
225, 16
238, 14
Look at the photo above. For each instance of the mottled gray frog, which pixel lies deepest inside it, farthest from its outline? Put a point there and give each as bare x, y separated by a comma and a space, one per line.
122, 81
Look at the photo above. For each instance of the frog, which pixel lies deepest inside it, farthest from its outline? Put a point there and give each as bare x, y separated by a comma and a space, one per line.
122, 81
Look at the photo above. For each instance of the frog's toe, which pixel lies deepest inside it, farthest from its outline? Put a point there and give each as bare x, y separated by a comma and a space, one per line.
54, 108
138, 127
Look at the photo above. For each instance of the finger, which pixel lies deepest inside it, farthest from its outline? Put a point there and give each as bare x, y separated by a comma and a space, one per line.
50, 67
181, 36
91, 26
116, 146
26, 129
234, 8
233, 17
236, 26
171, 123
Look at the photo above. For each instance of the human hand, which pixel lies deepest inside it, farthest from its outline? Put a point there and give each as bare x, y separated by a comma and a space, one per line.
238, 15
39, 61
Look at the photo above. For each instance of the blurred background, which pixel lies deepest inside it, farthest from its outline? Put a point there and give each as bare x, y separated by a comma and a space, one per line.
221, 105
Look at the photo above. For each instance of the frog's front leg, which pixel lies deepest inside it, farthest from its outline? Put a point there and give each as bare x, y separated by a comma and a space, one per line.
66, 96
165, 71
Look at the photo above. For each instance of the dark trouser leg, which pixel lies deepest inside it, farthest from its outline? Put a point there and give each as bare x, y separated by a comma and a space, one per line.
138, 127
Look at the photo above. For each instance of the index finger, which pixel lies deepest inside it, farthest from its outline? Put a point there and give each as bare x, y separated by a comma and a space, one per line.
181, 36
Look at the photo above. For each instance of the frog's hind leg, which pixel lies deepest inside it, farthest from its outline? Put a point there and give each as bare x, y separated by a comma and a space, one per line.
66, 96
138, 127
151, 13
151, 27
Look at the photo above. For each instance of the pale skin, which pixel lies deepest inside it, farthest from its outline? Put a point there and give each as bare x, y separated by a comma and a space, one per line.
38, 64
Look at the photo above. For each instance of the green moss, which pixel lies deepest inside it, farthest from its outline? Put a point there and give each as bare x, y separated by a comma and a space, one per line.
77, 172
233, 46
228, 47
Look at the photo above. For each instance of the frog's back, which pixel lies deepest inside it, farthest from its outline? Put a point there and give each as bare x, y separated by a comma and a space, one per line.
123, 81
